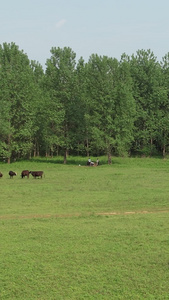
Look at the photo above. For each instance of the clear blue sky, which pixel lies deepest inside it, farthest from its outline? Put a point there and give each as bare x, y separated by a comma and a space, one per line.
105, 27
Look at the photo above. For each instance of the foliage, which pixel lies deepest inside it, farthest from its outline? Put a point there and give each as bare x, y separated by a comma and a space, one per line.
103, 106
17, 95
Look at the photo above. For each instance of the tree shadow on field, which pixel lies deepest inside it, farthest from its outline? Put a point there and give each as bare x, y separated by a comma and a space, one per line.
47, 160
54, 160
76, 161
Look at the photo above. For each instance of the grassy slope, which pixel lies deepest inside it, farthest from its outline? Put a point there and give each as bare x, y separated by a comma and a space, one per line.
89, 256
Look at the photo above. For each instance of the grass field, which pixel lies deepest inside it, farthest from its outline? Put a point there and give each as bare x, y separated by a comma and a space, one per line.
85, 232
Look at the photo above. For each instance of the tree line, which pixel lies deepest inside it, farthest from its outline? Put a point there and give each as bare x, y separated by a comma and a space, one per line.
103, 106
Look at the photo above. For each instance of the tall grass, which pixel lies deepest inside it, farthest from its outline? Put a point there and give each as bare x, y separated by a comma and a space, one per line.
56, 242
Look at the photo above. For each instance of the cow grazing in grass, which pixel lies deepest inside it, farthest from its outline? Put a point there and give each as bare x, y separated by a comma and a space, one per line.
36, 173
25, 173
11, 174
1, 175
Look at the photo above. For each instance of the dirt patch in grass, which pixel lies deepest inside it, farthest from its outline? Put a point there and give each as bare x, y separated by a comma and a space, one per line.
44, 216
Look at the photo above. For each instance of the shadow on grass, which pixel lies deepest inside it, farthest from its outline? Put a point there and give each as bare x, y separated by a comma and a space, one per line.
71, 160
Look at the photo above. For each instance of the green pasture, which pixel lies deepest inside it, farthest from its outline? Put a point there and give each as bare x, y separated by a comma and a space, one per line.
85, 232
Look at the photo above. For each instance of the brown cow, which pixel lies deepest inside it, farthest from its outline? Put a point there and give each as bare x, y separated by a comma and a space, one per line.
25, 173
1, 175
36, 173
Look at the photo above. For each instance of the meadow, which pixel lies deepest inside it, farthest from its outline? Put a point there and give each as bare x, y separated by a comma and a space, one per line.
85, 232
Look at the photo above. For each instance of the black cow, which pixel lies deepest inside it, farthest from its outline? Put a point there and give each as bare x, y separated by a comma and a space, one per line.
36, 173
1, 175
11, 174
25, 173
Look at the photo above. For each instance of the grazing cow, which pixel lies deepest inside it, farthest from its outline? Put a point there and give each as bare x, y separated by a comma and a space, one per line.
36, 173
11, 174
25, 173
1, 175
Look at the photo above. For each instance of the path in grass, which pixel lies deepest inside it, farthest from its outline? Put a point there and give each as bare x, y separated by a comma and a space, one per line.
41, 216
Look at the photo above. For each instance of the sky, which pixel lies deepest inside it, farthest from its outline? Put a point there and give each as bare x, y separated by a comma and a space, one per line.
103, 27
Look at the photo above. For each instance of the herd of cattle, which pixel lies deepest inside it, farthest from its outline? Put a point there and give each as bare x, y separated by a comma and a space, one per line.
25, 173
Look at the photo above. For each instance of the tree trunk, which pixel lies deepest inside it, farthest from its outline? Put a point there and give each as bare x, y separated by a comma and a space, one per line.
65, 156
164, 150
151, 146
109, 158
9, 141
35, 152
87, 146
109, 153
51, 151
37, 149
57, 150
78, 149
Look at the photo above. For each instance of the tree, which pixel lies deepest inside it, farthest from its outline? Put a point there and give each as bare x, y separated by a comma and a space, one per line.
61, 77
46, 121
147, 91
125, 108
16, 98
163, 124
110, 105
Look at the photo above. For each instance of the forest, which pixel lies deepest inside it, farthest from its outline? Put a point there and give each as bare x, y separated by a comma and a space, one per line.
101, 107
